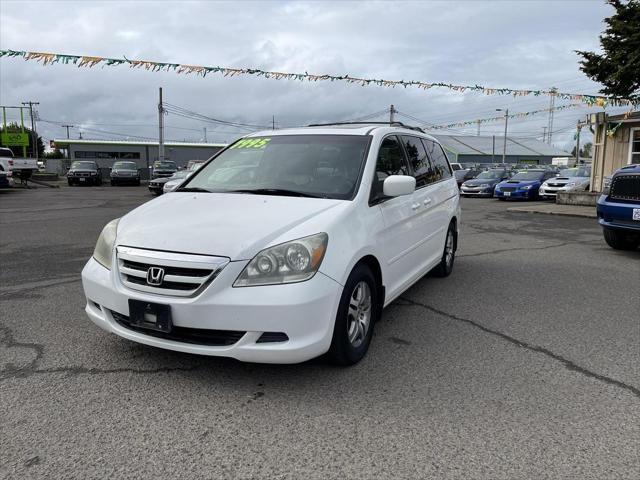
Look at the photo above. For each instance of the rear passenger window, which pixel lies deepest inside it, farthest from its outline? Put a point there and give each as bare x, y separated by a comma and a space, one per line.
438, 159
390, 161
418, 160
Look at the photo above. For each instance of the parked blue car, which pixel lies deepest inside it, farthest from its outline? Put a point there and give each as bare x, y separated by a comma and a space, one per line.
524, 185
619, 209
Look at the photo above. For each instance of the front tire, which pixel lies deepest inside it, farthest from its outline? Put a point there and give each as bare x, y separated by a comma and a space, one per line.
357, 313
445, 267
620, 240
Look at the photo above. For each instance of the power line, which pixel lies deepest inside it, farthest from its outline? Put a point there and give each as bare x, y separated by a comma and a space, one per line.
177, 110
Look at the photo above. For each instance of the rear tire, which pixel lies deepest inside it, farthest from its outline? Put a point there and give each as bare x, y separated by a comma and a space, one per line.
445, 267
358, 311
620, 240
113, 183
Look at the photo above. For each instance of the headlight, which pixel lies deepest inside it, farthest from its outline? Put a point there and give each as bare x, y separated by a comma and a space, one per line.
526, 187
93, 173
290, 262
571, 184
104, 246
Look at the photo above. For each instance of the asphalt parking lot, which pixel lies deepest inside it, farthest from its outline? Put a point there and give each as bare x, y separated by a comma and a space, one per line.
524, 363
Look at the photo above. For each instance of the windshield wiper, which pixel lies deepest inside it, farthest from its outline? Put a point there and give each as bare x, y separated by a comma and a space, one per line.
275, 191
194, 189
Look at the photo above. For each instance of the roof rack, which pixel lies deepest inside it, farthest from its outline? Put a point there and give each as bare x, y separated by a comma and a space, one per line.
391, 124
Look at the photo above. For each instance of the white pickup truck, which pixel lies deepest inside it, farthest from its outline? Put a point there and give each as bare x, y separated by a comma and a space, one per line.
20, 167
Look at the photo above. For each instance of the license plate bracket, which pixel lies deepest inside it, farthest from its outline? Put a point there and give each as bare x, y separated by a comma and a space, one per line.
152, 316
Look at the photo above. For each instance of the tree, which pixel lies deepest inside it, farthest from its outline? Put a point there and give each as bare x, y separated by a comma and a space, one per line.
55, 154
17, 151
618, 66
585, 151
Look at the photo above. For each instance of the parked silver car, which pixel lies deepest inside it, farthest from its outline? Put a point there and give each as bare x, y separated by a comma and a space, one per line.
568, 180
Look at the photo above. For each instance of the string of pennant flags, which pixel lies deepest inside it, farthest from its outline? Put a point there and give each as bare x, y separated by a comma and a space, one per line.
467, 123
93, 61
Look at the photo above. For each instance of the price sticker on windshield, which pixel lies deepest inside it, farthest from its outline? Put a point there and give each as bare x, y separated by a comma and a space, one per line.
254, 143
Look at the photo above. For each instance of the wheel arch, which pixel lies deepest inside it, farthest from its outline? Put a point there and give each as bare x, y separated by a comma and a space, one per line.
374, 265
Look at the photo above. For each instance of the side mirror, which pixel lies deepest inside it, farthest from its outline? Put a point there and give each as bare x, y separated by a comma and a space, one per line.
397, 185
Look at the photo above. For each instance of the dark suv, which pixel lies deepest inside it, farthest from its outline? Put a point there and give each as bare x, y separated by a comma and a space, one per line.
125, 173
619, 209
84, 172
164, 168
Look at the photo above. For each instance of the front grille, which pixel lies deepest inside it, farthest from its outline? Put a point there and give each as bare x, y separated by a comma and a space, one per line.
556, 185
196, 336
183, 275
508, 189
625, 187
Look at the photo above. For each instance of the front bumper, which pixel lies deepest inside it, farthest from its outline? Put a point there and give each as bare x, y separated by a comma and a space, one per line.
617, 215
520, 194
304, 311
125, 179
477, 191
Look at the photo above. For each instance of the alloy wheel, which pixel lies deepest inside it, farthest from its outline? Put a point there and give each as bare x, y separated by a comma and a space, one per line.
359, 314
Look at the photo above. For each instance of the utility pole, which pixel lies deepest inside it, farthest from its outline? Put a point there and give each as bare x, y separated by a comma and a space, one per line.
493, 148
552, 102
273, 122
67, 127
34, 134
160, 127
506, 124
392, 111
478, 134
79, 134
579, 127
544, 134
205, 134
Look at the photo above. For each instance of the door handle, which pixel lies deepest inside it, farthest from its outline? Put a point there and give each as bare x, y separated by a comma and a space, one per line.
427, 201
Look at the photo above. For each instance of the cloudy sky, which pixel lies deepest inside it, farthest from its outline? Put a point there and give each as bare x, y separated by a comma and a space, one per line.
516, 44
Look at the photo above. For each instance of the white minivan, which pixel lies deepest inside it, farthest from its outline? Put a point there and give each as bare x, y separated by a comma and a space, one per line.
284, 246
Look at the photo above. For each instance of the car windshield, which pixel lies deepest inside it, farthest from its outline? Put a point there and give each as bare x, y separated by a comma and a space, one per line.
491, 174
166, 165
326, 166
529, 175
576, 172
125, 166
88, 165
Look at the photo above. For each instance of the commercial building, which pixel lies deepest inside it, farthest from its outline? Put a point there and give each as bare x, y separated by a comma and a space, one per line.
106, 152
616, 144
488, 149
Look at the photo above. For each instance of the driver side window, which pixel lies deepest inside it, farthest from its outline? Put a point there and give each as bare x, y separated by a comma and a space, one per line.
390, 161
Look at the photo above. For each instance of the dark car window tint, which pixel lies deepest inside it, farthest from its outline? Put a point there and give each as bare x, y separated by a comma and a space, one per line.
438, 159
417, 156
390, 161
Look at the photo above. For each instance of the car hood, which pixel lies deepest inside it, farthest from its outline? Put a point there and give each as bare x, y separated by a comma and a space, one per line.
237, 226
482, 181
565, 180
159, 180
518, 183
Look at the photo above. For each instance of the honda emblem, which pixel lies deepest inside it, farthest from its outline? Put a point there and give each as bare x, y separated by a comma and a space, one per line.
155, 275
